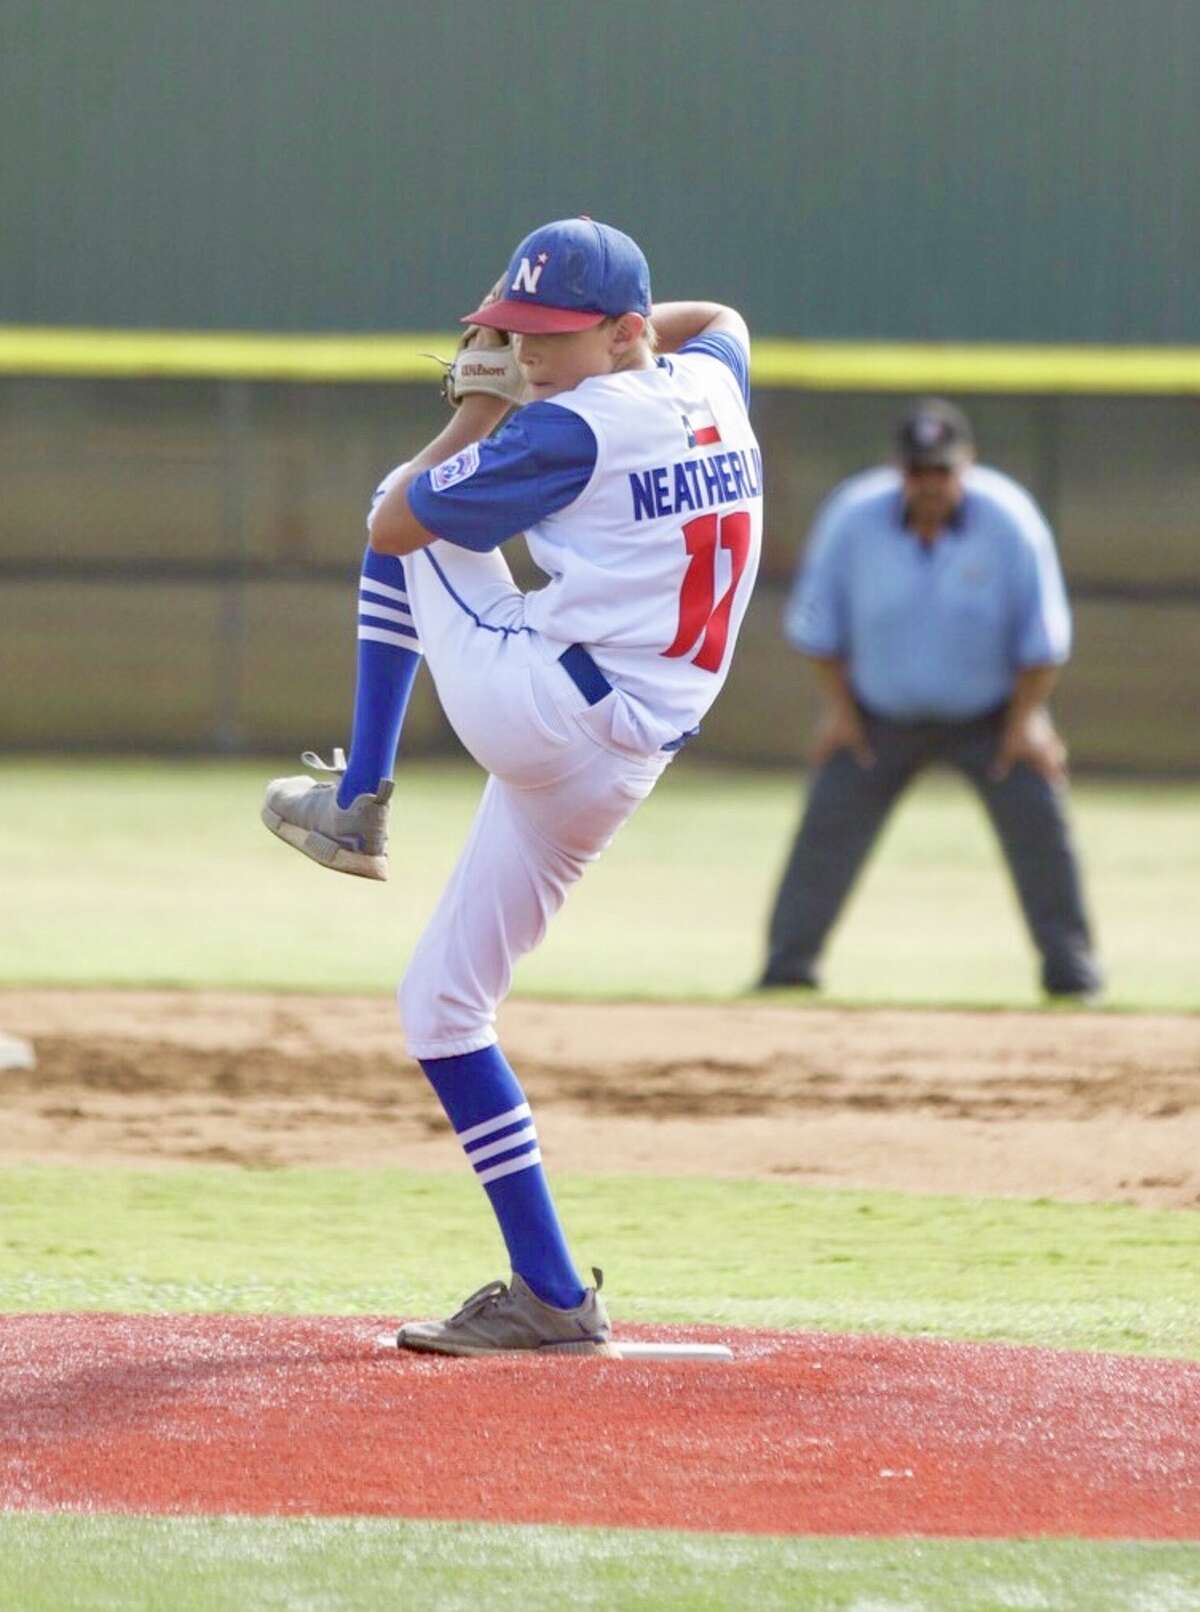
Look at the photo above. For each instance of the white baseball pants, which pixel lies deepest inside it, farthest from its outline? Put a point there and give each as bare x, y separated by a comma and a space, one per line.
559, 789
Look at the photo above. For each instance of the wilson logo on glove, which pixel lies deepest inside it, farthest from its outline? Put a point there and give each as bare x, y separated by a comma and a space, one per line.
493, 370
479, 369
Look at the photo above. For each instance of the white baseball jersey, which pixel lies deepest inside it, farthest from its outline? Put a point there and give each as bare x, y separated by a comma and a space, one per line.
641, 498
640, 495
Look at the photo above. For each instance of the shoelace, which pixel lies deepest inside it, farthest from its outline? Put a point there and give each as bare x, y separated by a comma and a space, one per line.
310, 758
485, 1297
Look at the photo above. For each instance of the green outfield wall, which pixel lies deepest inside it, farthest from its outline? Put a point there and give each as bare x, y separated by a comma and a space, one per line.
916, 170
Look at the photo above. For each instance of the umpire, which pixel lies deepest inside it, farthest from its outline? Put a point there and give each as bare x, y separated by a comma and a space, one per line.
931, 600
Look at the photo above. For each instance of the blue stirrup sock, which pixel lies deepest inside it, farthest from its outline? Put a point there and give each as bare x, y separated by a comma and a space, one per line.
488, 1110
389, 652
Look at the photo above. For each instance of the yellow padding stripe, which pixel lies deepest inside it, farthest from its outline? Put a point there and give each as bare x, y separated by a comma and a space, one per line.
816, 366
883, 367
220, 354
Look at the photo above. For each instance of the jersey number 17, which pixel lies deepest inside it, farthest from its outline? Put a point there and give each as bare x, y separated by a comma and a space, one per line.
700, 620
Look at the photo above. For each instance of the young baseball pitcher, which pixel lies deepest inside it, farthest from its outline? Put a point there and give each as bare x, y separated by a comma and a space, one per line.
634, 474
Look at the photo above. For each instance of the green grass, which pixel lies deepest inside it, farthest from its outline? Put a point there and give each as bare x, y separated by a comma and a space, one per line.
227, 1564
749, 1253
133, 873
151, 873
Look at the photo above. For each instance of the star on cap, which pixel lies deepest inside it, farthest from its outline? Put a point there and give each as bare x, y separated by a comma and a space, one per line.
543, 257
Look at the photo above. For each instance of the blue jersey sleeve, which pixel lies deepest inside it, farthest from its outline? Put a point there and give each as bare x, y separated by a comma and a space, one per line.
536, 465
731, 353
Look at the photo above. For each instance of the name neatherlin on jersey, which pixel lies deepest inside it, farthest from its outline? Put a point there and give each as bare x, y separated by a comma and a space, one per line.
718, 478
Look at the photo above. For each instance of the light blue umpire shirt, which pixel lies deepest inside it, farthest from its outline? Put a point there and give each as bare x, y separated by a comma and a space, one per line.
938, 632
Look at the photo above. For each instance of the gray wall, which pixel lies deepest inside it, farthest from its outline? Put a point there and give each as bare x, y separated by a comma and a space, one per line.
1008, 170
178, 562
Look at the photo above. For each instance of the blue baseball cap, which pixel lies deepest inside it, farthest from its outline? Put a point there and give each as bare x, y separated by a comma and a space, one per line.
569, 276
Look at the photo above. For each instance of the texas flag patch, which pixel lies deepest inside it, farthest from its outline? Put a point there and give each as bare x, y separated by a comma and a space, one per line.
701, 427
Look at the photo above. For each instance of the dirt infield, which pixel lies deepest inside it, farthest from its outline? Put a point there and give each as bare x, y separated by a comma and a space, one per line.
800, 1434
1065, 1105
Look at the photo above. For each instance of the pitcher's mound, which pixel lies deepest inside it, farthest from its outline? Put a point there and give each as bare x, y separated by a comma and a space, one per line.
799, 1434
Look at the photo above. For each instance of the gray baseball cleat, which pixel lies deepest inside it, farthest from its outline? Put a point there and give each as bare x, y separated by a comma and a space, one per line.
503, 1320
305, 814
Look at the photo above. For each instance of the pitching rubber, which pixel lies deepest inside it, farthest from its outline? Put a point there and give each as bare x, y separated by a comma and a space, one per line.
386, 1341
673, 1351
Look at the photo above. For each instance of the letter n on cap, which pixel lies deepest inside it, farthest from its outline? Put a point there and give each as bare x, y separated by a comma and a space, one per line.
528, 277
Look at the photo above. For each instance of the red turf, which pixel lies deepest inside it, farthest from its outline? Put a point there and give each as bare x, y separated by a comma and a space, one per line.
802, 1434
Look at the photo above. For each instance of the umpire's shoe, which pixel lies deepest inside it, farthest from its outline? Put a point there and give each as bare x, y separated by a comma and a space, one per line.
505, 1320
305, 814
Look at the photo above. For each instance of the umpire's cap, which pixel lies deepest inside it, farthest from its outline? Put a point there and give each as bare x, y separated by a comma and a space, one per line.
934, 434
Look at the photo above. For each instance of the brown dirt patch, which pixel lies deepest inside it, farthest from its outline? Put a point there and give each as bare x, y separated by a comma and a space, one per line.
293, 1415
1064, 1105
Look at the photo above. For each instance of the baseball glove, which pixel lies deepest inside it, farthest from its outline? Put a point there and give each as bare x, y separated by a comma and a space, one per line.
481, 369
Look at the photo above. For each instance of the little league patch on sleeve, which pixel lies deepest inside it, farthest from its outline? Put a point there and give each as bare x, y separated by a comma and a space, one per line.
451, 471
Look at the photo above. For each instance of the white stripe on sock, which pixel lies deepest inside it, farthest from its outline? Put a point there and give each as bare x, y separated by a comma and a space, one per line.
490, 1149
368, 607
387, 591
497, 1123
384, 635
510, 1166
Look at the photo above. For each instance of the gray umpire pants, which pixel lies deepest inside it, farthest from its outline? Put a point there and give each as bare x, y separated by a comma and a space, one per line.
848, 805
